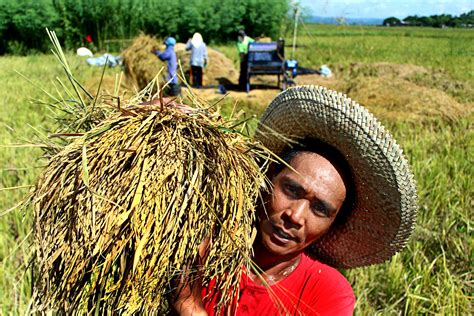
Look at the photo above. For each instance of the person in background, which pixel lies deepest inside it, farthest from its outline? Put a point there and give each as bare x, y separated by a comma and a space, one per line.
169, 55
90, 43
243, 42
198, 58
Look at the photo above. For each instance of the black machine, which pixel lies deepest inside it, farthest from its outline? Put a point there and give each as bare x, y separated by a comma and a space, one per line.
269, 59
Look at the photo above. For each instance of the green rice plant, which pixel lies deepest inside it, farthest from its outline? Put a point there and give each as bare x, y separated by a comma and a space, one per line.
433, 274
445, 50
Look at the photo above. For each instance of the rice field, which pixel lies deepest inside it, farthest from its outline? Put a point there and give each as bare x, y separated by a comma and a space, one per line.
433, 275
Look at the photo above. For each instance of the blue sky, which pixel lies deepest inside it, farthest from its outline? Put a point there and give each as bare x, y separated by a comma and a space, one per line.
385, 8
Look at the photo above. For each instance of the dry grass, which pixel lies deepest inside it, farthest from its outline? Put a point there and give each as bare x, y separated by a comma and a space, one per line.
140, 64
398, 99
392, 92
121, 209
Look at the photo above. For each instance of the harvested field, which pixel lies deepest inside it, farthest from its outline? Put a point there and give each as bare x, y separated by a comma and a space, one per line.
391, 91
384, 69
399, 99
432, 276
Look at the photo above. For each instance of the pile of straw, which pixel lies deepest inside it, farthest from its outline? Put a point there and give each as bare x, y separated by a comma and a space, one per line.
397, 92
121, 210
141, 66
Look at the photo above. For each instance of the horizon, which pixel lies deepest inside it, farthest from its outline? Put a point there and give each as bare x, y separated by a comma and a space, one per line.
372, 9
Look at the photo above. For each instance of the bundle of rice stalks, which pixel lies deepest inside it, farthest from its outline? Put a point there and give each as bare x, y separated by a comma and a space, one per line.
121, 211
140, 64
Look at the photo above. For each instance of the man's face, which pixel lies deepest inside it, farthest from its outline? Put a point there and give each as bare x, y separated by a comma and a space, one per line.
302, 206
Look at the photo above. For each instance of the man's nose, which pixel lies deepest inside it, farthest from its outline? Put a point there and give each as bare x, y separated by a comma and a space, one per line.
295, 212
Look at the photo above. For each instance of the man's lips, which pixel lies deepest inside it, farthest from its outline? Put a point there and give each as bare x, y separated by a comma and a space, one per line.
282, 234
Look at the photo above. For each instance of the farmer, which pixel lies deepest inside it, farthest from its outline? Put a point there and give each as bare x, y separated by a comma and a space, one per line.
243, 42
344, 197
169, 55
198, 58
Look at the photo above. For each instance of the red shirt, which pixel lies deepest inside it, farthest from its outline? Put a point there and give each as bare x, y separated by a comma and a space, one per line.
312, 289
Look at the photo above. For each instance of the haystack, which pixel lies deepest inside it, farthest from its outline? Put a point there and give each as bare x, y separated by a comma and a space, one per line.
384, 69
395, 91
141, 66
121, 210
399, 99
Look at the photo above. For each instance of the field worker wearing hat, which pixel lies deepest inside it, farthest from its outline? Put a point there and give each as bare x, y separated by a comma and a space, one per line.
243, 42
344, 198
198, 58
169, 55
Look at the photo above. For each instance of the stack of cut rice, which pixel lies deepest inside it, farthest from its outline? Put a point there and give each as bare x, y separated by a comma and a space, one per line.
141, 66
121, 210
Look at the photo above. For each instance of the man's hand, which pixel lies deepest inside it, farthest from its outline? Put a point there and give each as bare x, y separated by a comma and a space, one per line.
187, 299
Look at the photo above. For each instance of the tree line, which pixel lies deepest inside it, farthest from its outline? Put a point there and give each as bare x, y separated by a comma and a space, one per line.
77, 22
443, 20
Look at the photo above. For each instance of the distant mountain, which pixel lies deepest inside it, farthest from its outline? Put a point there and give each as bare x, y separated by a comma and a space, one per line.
344, 20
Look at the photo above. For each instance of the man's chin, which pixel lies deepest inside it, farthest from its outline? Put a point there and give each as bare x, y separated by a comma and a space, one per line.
276, 249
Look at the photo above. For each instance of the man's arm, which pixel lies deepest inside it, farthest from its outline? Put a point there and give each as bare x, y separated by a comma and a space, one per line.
166, 55
189, 45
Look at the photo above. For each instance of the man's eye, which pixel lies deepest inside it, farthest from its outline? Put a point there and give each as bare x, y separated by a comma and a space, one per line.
319, 209
291, 190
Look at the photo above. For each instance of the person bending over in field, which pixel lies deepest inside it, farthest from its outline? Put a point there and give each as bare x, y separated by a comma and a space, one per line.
169, 55
342, 197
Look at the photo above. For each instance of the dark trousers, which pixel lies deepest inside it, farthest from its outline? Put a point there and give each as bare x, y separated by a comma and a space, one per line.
196, 72
243, 72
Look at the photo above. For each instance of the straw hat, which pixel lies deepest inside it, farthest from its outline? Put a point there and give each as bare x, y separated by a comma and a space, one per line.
384, 212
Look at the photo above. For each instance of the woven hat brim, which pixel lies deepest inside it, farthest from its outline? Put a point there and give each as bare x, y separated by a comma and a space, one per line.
385, 206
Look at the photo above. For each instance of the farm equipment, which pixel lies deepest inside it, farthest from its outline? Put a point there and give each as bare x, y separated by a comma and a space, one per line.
269, 59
